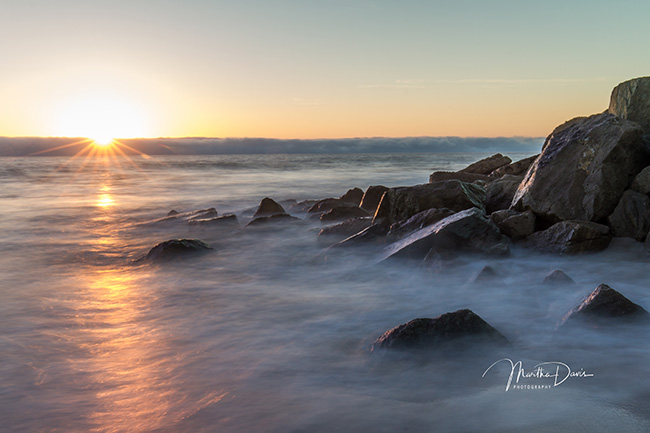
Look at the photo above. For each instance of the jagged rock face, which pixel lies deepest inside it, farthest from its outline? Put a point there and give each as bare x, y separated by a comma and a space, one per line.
174, 249
631, 218
418, 221
499, 193
517, 226
372, 197
604, 304
346, 228
460, 326
641, 182
571, 237
458, 175
584, 167
516, 168
268, 207
467, 231
631, 100
401, 203
327, 204
273, 219
343, 213
354, 196
558, 278
487, 165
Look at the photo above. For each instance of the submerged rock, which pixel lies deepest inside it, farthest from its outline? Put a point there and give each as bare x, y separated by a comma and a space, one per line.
229, 220
174, 249
273, 219
487, 165
343, 213
327, 204
631, 100
631, 217
486, 275
516, 168
558, 278
584, 167
604, 304
372, 197
571, 237
462, 328
268, 207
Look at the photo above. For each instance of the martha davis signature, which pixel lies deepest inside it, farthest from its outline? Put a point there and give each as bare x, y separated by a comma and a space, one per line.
559, 372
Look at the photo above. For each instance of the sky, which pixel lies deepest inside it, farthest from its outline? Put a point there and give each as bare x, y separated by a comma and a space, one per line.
312, 69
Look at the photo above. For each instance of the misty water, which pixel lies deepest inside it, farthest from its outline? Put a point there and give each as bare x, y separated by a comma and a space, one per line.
269, 332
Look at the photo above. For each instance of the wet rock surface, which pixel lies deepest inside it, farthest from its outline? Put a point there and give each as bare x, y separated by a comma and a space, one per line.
558, 278
487, 165
174, 249
499, 193
631, 217
571, 237
268, 207
631, 100
372, 197
518, 168
343, 213
603, 305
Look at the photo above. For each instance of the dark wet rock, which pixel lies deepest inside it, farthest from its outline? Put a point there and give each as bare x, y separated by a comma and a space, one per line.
174, 249
501, 215
372, 197
229, 220
268, 207
468, 231
303, 206
402, 203
571, 237
353, 196
273, 219
458, 175
486, 275
558, 278
499, 193
288, 203
174, 217
584, 167
373, 233
603, 305
631, 100
641, 182
172, 213
200, 214
631, 218
462, 328
487, 165
326, 204
343, 212
518, 168
517, 226
418, 221
346, 228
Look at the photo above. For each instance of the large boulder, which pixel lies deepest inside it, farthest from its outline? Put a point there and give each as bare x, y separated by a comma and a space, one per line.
458, 175
604, 304
462, 328
631, 218
402, 203
372, 197
467, 231
268, 207
518, 168
517, 226
343, 213
418, 221
354, 196
584, 167
327, 204
631, 100
571, 237
487, 165
174, 249
499, 193
641, 182
346, 228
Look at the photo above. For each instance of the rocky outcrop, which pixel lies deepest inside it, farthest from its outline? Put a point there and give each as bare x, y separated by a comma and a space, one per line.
374, 233
631, 100
273, 219
514, 224
198, 215
372, 197
327, 204
499, 193
462, 328
558, 278
631, 218
402, 203
487, 165
346, 228
343, 213
584, 167
603, 305
418, 221
175, 217
354, 196
268, 207
641, 182
467, 231
518, 168
571, 237
228, 220
458, 175
174, 249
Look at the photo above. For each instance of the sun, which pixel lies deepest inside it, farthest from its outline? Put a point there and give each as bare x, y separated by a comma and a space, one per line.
102, 140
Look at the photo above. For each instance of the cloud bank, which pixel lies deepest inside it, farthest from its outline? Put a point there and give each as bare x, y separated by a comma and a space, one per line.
26, 146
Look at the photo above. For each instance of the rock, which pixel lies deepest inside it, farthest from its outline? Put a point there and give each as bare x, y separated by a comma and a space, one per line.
641, 182
303, 206
487, 275
584, 167
499, 193
373, 233
418, 221
402, 203
458, 175
466, 231
604, 304
268, 207
172, 213
199, 214
272, 219
228, 220
372, 197
558, 278
631, 100
501, 215
462, 328
518, 226
346, 228
518, 168
353, 196
174, 249
631, 218
571, 237
343, 213
326, 204
487, 165
174, 217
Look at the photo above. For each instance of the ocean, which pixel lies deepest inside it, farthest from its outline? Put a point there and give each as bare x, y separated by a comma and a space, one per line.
271, 331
